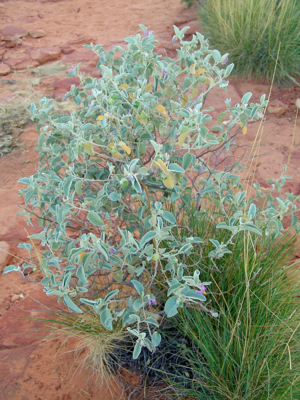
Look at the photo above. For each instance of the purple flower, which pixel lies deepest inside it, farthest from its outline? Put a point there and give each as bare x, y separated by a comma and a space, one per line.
196, 98
130, 177
72, 68
151, 302
147, 32
112, 250
164, 73
174, 40
202, 289
225, 61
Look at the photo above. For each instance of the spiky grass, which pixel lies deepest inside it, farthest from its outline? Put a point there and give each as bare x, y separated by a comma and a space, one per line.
15, 113
252, 31
87, 334
252, 350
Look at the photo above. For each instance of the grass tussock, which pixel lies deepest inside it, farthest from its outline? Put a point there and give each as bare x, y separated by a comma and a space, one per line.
252, 350
89, 336
15, 112
253, 32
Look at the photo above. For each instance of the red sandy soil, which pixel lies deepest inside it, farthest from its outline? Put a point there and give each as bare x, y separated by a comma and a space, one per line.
31, 366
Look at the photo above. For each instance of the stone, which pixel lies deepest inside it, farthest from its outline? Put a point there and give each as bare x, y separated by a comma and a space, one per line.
82, 39
4, 69
14, 298
13, 43
45, 54
62, 86
277, 107
13, 33
84, 55
13, 228
185, 16
297, 102
20, 61
67, 49
194, 26
37, 33
5, 257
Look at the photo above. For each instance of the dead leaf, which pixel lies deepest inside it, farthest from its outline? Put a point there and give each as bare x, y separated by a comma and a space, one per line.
162, 110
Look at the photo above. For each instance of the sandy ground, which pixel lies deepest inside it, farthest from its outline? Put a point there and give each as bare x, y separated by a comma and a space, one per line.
33, 367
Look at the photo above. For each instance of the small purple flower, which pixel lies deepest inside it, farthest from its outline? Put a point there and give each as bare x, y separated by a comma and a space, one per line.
174, 40
164, 73
225, 61
202, 289
151, 302
147, 32
112, 250
195, 98
130, 177
72, 68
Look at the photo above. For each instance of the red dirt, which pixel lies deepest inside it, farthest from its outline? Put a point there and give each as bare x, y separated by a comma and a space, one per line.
31, 367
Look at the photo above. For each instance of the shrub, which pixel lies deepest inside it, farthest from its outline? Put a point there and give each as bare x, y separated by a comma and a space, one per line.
252, 350
115, 175
252, 32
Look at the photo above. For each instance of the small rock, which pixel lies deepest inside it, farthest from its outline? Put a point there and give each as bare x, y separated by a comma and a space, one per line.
185, 16
13, 33
4, 247
20, 61
62, 86
277, 107
82, 39
67, 49
297, 102
194, 26
13, 43
45, 54
82, 55
14, 298
37, 33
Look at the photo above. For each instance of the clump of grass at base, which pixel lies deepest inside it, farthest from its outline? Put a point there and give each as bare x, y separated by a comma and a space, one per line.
252, 350
88, 333
252, 31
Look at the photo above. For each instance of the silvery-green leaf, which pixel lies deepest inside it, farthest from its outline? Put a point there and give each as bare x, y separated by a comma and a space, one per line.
138, 287
184, 249
106, 319
10, 268
169, 217
151, 321
156, 339
71, 305
171, 306
111, 295
188, 159
147, 237
137, 350
95, 218
252, 212
251, 228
